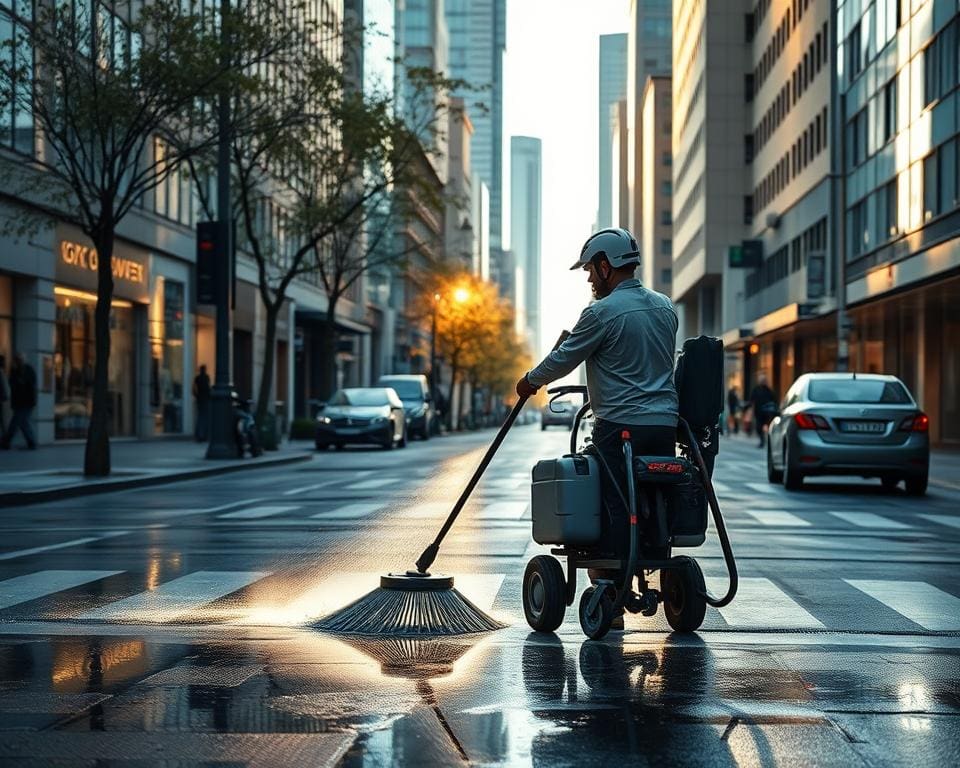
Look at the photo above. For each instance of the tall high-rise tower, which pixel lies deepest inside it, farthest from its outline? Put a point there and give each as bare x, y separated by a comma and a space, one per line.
613, 88
525, 228
478, 38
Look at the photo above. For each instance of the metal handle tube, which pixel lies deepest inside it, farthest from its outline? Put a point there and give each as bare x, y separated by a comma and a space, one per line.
718, 522
632, 508
430, 553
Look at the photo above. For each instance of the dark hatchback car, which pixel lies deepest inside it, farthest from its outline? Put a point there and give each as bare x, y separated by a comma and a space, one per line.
362, 415
559, 413
418, 407
850, 424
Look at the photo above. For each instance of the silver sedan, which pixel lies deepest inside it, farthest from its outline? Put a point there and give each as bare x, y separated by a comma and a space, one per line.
849, 424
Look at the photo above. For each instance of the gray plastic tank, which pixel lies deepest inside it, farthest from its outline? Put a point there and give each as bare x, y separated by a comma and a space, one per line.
566, 501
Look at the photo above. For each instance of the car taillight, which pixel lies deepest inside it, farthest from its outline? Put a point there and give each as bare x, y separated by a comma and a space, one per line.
918, 423
810, 421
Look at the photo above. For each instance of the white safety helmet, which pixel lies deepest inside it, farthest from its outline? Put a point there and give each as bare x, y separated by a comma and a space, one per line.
616, 245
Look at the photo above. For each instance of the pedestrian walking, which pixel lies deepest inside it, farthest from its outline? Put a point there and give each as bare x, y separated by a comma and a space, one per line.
763, 403
4, 394
201, 391
23, 399
733, 410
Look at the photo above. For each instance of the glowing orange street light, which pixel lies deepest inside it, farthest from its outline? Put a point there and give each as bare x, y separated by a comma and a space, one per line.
460, 295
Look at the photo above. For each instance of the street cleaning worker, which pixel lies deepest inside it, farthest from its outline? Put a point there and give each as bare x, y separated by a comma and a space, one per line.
627, 338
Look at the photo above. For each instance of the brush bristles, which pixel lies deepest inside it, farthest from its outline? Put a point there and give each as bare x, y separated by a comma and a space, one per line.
409, 613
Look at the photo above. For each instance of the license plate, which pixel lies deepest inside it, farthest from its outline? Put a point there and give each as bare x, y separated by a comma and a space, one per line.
872, 427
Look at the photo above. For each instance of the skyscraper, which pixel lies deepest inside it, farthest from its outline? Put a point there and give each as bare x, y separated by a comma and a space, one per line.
525, 228
613, 88
478, 38
648, 53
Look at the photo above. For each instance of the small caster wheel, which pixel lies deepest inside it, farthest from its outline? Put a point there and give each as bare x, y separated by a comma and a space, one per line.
544, 593
683, 591
596, 623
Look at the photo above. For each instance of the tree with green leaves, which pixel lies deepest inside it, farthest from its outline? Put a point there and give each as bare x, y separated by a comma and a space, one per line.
107, 92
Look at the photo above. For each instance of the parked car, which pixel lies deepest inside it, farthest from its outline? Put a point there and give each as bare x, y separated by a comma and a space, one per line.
558, 413
362, 415
849, 424
414, 391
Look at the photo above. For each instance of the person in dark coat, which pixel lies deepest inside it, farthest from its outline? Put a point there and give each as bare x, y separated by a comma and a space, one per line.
201, 391
733, 410
763, 401
23, 399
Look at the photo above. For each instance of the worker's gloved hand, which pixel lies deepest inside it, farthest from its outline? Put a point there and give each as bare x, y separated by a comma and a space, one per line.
525, 388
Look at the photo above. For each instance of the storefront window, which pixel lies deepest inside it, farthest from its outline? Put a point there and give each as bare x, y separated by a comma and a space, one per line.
6, 337
74, 360
166, 364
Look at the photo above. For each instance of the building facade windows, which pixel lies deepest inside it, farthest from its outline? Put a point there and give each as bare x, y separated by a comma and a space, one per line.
16, 123
941, 63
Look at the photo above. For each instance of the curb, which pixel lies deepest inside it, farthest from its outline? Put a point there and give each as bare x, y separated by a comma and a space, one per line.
17, 498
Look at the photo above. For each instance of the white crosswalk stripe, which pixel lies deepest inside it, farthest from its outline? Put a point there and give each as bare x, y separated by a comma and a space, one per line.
62, 545
31, 586
949, 520
512, 510
348, 511
721, 488
377, 482
256, 512
765, 488
761, 603
918, 601
776, 517
870, 520
176, 598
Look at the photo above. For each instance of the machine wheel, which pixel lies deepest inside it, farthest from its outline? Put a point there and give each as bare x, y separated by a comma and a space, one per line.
595, 625
683, 595
917, 485
792, 477
773, 475
544, 593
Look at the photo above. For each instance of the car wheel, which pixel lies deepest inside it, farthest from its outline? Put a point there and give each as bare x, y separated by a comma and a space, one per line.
322, 446
917, 485
889, 483
403, 439
792, 476
543, 427
339, 446
774, 475
427, 427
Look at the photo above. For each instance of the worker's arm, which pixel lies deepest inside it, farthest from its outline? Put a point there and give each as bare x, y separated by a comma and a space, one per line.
579, 345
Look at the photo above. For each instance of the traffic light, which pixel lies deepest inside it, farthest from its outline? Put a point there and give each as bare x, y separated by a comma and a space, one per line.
212, 254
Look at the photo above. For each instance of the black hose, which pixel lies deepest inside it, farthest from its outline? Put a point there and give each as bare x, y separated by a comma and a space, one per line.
718, 522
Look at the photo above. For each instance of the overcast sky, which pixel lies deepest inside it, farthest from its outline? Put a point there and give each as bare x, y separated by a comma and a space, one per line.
550, 91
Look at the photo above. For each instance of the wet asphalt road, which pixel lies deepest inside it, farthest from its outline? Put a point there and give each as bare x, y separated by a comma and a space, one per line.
171, 626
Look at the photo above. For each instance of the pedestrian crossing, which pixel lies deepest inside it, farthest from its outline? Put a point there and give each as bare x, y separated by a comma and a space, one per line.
762, 604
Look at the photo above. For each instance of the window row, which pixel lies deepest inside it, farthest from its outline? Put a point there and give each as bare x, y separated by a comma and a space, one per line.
778, 43
941, 63
689, 156
692, 103
801, 79
696, 191
774, 268
807, 146
16, 58
870, 129
873, 220
812, 239
865, 42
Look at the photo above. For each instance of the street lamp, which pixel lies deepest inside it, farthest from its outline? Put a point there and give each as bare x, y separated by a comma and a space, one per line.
433, 347
460, 295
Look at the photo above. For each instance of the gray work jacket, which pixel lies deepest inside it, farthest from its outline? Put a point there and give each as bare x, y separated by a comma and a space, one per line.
628, 340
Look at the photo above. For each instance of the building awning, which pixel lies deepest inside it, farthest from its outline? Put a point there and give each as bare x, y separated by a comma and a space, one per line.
314, 316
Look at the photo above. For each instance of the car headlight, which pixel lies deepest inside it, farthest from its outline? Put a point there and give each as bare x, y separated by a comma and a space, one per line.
417, 412
325, 420
378, 420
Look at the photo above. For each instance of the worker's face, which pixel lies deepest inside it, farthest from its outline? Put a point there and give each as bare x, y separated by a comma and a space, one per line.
598, 275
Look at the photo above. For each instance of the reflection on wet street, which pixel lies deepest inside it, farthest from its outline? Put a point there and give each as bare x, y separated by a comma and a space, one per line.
187, 640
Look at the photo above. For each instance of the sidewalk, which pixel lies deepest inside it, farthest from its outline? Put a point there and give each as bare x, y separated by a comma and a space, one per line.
944, 465
56, 471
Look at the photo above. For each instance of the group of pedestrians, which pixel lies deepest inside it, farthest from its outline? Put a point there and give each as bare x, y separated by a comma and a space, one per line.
19, 389
762, 406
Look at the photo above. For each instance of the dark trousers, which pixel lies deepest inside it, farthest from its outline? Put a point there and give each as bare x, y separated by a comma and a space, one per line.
202, 429
645, 441
20, 421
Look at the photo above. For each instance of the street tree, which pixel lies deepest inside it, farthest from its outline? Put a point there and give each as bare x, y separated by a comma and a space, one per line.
118, 102
321, 179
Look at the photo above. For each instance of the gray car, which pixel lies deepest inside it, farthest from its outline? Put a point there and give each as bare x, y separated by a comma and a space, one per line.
414, 391
362, 415
849, 424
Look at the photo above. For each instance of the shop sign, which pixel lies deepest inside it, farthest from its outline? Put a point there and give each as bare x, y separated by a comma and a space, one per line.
78, 266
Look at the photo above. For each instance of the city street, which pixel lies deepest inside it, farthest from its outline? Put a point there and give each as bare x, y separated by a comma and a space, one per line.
173, 624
